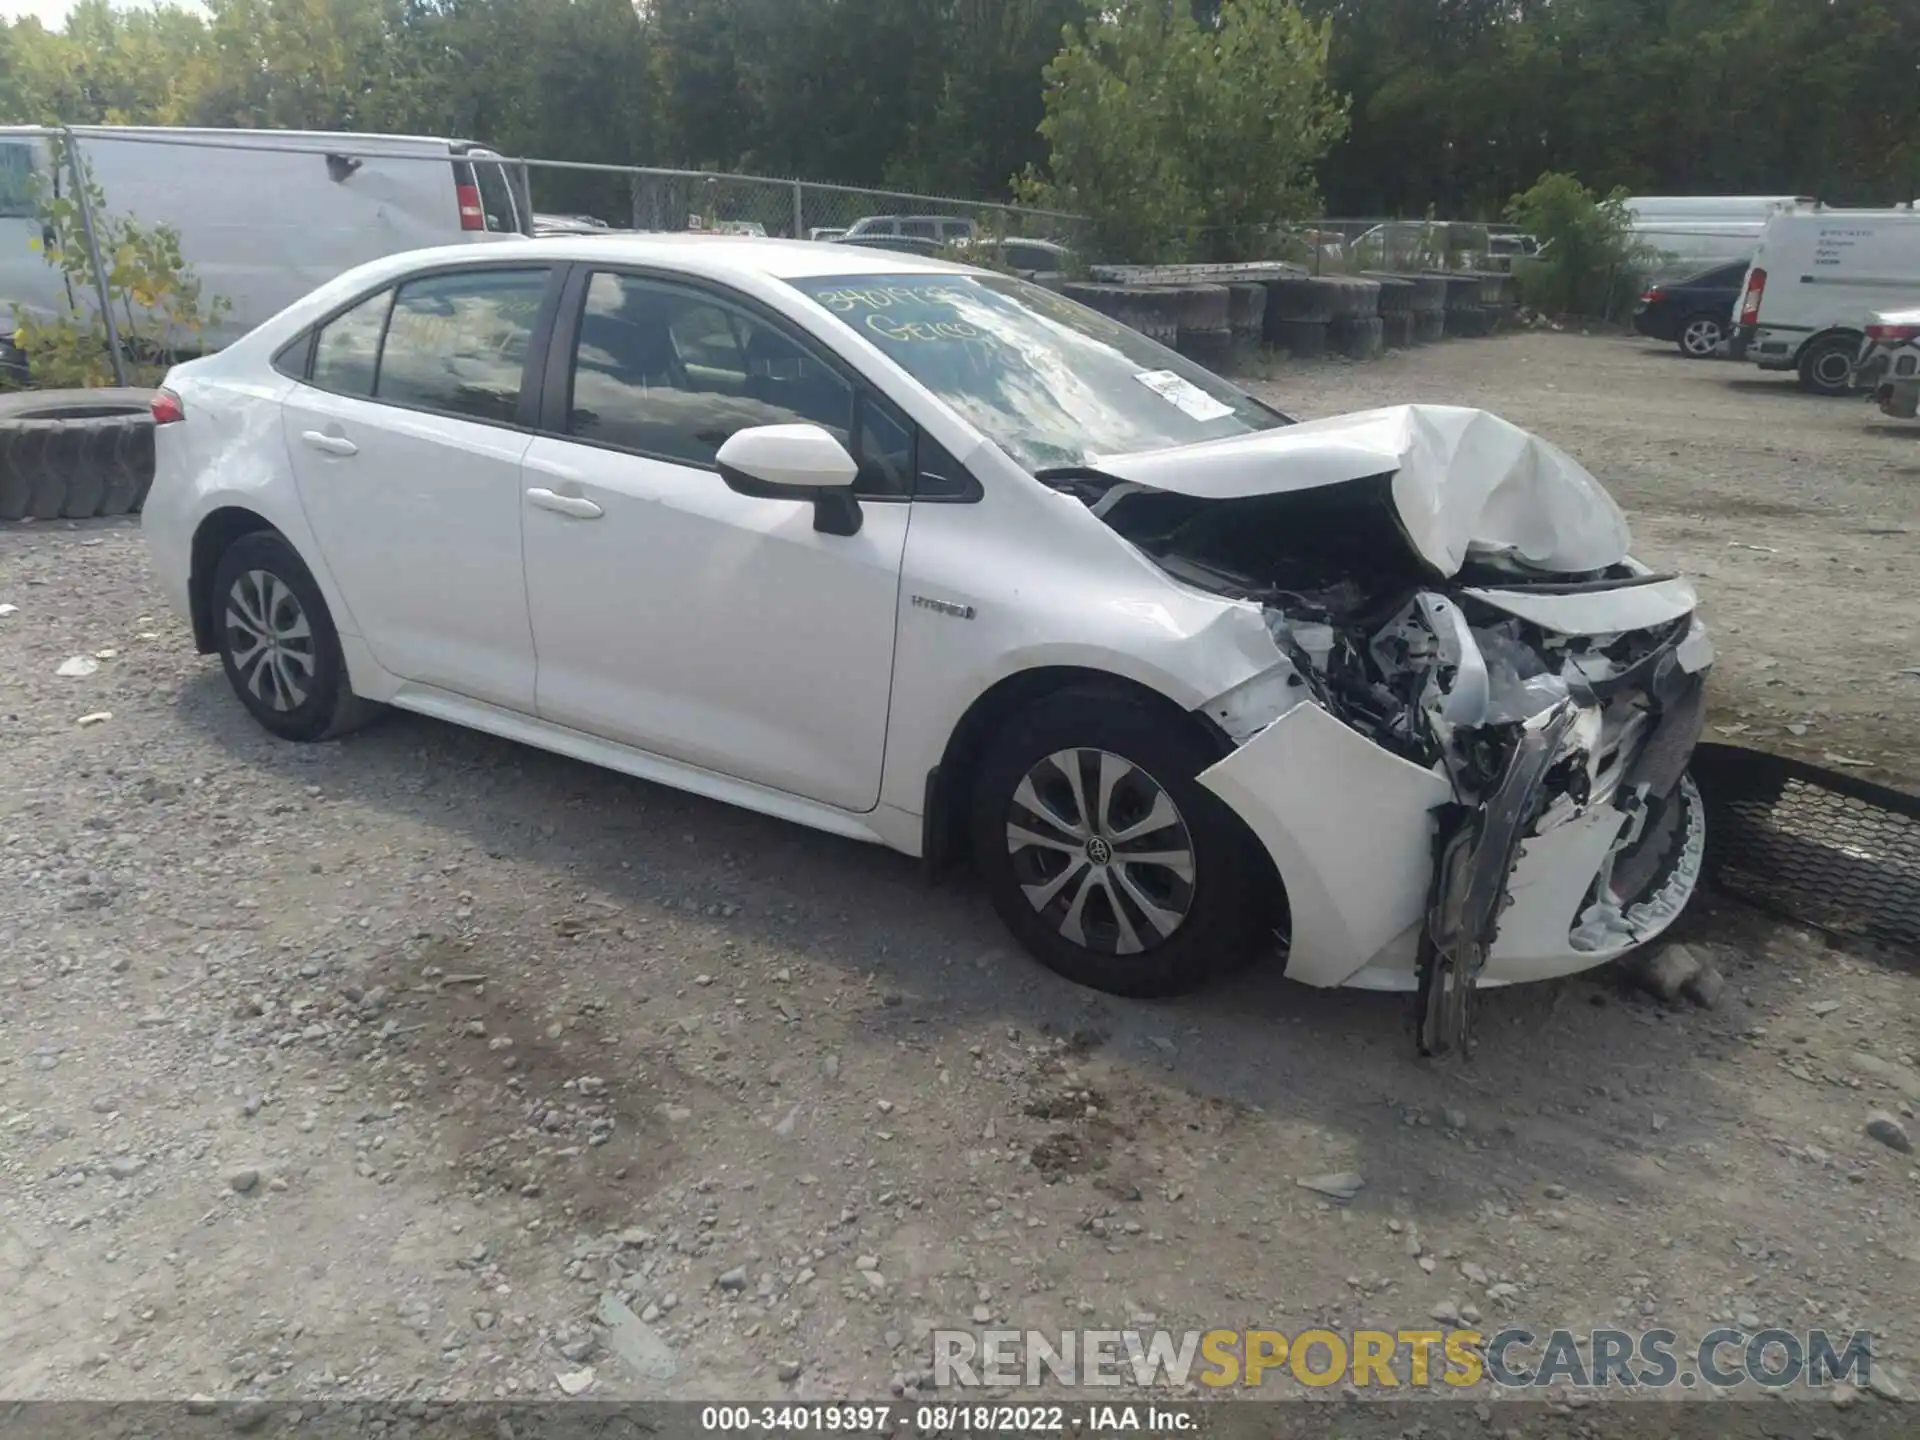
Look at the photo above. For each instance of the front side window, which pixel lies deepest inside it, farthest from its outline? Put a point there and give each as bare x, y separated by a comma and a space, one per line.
458, 343
674, 372
346, 352
1052, 383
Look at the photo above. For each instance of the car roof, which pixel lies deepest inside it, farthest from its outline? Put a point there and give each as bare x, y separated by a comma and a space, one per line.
718, 257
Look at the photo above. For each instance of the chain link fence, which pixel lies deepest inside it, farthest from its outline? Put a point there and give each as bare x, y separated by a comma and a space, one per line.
536, 195
637, 197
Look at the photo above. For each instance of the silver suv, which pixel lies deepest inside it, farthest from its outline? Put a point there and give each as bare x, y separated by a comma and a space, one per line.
944, 228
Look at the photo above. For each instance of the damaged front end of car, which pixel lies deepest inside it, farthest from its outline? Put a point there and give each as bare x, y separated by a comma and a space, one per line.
1542, 691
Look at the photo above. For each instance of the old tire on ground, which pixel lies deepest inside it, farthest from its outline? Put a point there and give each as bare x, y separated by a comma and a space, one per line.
74, 453
1303, 339
1071, 788
1357, 337
1396, 295
1467, 322
277, 642
1205, 331
1826, 364
1302, 298
1363, 298
1247, 311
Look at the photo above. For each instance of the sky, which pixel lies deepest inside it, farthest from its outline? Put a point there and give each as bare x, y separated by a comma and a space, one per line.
51, 13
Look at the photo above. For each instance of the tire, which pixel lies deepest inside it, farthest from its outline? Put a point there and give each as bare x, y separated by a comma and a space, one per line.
1303, 339
261, 577
1210, 917
1467, 322
1826, 364
1358, 338
74, 453
1701, 336
1210, 348
1299, 298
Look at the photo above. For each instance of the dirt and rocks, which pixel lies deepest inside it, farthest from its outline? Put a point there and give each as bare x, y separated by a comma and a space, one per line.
427, 1066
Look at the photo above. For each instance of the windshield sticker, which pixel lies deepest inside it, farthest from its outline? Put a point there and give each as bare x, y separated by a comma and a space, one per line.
1187, 396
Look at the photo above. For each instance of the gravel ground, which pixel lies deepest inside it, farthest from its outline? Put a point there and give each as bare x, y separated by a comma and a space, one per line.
374, 1069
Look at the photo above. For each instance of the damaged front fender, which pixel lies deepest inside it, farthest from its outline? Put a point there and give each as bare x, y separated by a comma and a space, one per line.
1457, 796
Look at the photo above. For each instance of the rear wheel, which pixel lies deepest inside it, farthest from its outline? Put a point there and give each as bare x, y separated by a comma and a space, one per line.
277, 642
1701, 336
1826, 365
1102, 852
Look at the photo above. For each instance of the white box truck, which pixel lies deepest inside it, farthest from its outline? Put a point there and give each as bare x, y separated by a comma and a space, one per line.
264, 216
1816, 278
1684, 234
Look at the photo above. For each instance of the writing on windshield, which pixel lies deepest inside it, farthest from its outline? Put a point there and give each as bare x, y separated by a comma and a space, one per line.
1048, 380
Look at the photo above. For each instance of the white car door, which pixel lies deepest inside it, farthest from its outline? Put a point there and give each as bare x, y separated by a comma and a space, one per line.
406, 436
673, 614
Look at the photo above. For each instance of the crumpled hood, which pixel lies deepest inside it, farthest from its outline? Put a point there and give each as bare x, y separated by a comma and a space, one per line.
1463, 481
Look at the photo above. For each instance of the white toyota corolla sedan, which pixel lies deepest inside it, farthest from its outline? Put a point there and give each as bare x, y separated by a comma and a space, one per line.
931, 557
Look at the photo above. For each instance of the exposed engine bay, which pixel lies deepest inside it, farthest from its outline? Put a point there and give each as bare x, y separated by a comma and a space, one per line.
1531, 726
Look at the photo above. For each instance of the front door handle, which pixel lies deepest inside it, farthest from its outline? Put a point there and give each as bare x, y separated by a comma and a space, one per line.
573, 505
329, 444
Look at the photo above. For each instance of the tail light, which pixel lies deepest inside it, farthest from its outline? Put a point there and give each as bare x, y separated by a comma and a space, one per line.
1653, 293
473, 215
1750, 302
1893, 334
166, 408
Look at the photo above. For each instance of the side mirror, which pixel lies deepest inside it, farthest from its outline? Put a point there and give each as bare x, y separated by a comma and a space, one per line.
795, 462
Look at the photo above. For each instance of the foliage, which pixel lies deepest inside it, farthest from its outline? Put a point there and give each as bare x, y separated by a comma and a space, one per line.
1588, 256
1456, 104
1459, 103
1179, 136
156, 297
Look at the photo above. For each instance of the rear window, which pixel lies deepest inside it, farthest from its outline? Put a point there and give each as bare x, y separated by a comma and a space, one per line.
16, 180
496, 196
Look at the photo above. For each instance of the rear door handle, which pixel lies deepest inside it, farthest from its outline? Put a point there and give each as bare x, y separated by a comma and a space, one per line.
573, 505
329, 444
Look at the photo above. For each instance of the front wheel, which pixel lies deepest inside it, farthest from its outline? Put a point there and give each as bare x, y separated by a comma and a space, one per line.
1701, 337
1826, 365
1105, 856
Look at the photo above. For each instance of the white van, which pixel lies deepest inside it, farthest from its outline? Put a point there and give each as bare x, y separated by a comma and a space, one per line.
1683, 234
1815, 279
264, 216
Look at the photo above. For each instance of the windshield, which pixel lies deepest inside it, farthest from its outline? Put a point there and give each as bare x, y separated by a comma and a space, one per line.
1052, 383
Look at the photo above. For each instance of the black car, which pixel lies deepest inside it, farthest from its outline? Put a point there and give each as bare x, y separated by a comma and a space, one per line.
1695, 313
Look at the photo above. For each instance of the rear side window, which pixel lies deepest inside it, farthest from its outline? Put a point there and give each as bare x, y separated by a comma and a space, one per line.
458, 343
16, 180
346, 352
922, 229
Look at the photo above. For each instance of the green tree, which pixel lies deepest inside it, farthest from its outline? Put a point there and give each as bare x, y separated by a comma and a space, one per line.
1175, 137
1587, 259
